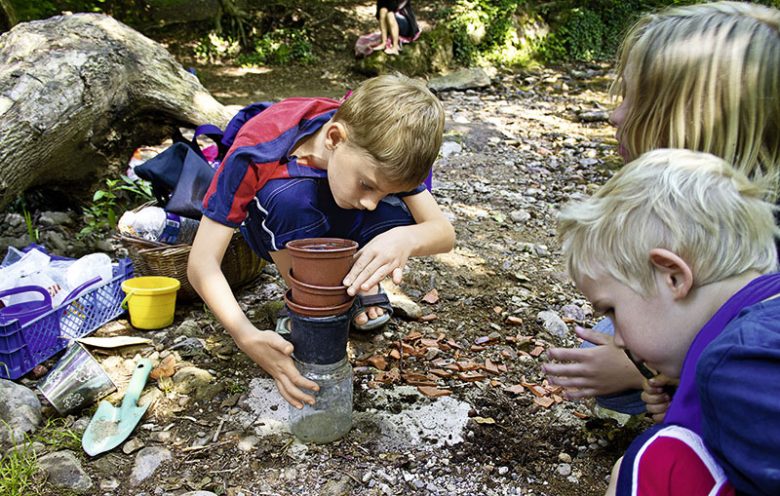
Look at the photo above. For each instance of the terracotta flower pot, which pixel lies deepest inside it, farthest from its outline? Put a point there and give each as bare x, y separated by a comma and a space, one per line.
317, 311
310, 295
321, 261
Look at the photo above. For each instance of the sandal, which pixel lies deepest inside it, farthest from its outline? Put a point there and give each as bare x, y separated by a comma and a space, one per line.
380, 300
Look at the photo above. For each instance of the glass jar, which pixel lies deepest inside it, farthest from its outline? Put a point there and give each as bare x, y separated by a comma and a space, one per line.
330, 418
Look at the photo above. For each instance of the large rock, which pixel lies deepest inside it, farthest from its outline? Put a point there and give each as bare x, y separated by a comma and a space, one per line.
431, 53
20, 413
146, 462
63, 470
462, 79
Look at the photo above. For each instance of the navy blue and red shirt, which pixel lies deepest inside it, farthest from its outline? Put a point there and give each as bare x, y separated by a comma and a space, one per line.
671, 461
261, 152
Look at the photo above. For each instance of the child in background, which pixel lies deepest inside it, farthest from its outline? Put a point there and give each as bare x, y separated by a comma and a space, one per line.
701, 77
397, 19
315, 167
677, 249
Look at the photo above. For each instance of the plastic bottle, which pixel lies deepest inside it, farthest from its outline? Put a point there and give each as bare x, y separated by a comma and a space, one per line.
330, 418
155, 224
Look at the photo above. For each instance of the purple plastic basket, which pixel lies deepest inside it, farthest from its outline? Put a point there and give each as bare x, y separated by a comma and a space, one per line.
25, 345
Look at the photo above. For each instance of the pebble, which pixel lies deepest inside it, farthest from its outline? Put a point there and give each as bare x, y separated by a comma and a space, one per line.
564, 458
564, 469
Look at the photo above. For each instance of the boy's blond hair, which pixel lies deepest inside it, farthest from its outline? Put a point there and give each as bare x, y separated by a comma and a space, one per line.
707, 78
397, 121
693, 204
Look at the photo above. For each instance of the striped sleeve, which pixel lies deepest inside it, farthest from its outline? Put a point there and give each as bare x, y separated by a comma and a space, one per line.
259, 154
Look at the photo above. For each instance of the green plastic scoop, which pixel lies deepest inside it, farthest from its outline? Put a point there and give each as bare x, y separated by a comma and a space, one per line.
110, 425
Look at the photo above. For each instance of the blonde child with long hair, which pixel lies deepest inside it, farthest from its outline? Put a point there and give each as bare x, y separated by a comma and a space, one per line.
702, 77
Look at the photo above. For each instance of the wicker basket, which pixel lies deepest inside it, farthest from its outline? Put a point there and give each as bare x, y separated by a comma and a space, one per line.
240, 264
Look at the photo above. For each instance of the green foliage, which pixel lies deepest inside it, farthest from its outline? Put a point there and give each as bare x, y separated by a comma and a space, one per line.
279, 47
101, 215
32, 231
213, 47
581, 36
17, 471
27, 10
18, 467
485, 30
57, 436
592, 30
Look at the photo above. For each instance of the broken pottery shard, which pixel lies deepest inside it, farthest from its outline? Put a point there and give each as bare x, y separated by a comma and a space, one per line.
431, 297
378, 361
433, 392
166, 368
544, 402
516, 389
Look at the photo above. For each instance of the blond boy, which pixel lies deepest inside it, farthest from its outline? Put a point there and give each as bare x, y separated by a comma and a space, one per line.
678, 250
314, 167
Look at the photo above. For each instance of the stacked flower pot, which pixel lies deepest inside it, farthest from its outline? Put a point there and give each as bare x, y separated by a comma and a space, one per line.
320, 313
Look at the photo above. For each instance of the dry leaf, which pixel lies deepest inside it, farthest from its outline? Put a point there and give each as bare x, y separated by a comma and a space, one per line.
429, 317
412, 336
537, 351
498, 309
512, 320
431, 297
166, 368
441, 373
395, 354
484, 420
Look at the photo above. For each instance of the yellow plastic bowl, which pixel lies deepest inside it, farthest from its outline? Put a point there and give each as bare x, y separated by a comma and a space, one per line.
151, 301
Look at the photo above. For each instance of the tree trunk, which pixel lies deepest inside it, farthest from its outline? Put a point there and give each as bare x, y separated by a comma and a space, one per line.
7, 15
78, 92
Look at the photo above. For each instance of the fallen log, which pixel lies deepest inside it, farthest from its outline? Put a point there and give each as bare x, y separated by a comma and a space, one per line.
79, 92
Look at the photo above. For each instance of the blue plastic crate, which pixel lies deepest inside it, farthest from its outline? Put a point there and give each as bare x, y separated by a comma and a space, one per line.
22, 347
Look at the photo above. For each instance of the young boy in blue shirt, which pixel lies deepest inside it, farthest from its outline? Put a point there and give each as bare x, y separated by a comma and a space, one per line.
677, 249
315, 167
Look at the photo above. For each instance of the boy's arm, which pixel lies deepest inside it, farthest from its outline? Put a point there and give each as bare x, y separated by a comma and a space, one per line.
387, 253
266, 348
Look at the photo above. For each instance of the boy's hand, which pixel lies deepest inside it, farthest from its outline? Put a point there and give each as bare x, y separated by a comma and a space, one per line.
272, 352
384, 255
585, 372
655, 396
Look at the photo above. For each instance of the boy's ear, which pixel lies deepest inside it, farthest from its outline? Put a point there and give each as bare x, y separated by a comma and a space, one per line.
676, 273
335, 134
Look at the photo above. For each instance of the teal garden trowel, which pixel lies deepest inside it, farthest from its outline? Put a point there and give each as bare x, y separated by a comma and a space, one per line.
111, 425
